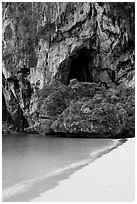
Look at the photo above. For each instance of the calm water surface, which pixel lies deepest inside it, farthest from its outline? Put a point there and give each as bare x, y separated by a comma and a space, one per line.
32, 156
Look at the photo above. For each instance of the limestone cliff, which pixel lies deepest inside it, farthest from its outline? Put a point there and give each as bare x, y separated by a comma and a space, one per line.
48, 43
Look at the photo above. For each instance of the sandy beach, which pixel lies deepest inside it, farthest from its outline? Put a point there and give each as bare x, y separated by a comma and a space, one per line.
110, 178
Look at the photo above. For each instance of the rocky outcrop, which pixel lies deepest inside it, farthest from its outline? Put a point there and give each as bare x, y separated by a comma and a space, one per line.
49, 44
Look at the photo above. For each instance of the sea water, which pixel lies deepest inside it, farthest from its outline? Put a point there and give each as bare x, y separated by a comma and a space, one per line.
34, 163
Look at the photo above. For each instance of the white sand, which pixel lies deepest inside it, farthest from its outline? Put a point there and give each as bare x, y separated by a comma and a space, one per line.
110, 178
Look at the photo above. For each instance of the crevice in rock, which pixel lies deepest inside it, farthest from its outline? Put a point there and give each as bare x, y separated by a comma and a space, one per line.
5, 113
12, 114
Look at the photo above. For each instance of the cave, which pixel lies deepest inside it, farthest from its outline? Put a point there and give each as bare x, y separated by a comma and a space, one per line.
80, 66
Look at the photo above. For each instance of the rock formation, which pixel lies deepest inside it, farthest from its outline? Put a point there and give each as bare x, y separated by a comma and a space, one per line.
47, 45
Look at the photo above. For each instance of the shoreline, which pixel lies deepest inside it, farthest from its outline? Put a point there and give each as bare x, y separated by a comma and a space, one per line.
47, 182
110, 178
83, 135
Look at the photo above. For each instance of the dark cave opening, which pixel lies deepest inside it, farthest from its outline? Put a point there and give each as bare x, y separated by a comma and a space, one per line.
81, 66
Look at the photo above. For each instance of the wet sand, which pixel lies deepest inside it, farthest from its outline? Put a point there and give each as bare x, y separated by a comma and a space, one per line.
110, 178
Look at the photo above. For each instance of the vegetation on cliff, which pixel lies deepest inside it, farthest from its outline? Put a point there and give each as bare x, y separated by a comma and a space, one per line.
69, 67
85, 107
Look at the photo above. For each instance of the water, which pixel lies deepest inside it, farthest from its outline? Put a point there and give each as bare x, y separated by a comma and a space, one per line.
28, 158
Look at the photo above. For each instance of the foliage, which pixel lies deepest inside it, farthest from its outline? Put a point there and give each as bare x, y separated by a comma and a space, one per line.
127, 99
86, 107
113, 117
53, 99
81, 90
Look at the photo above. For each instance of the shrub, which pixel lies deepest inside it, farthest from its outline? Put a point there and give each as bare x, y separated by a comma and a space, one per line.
111, 116
86, 107
81, 90
56, 102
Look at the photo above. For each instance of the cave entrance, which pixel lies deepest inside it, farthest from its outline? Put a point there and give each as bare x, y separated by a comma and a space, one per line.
80, 66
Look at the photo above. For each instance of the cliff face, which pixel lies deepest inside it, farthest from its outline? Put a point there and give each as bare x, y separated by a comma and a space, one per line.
44, 43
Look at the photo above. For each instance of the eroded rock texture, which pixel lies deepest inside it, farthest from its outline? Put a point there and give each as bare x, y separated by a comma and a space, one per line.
49, 44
